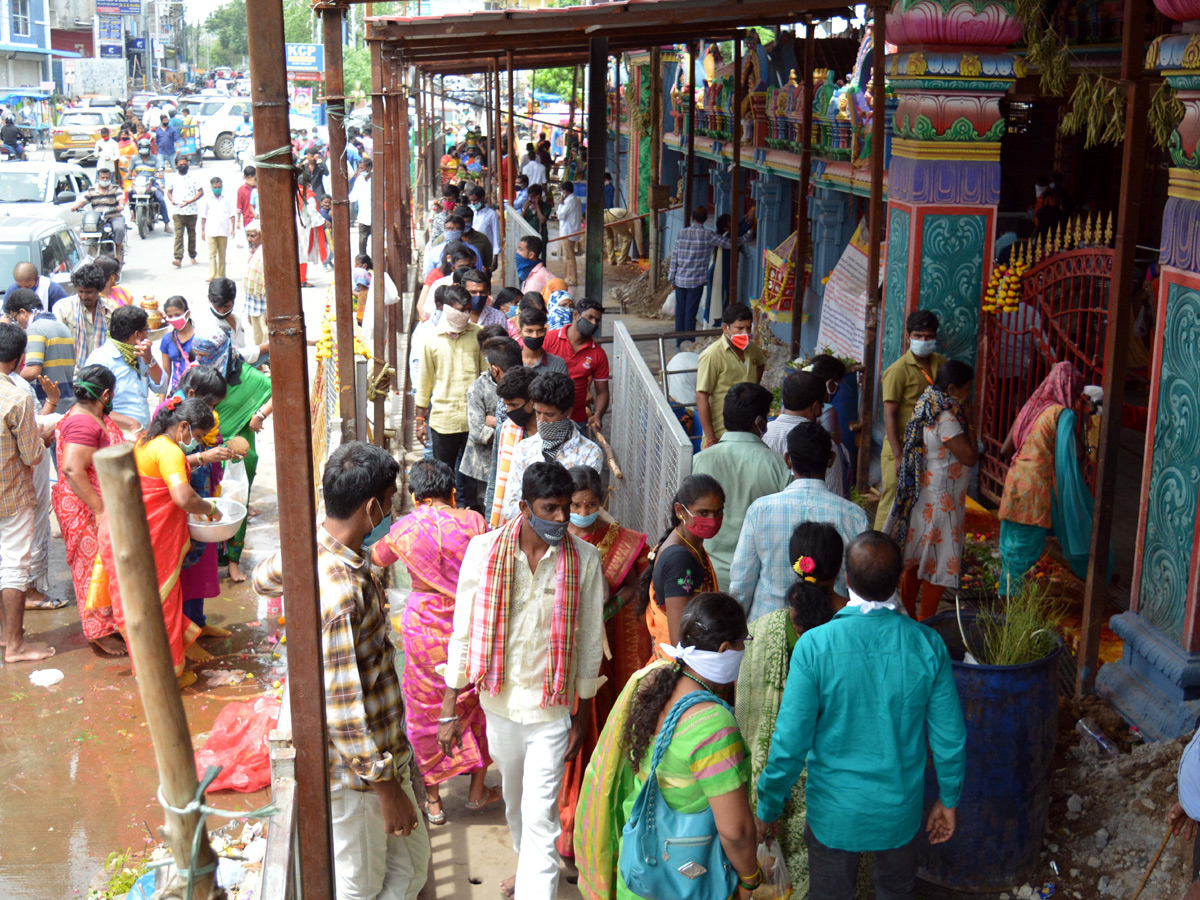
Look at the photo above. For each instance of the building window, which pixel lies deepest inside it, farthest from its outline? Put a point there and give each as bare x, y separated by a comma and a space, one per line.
20, 18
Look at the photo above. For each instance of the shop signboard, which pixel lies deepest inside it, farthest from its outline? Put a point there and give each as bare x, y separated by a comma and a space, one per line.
305, 57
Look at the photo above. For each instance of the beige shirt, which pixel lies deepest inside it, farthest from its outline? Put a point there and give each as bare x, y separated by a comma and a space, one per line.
530, 613
448, 367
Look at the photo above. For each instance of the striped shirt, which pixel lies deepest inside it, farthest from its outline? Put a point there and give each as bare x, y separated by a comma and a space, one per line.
254, 285
761, 572
89, 329
21, 449
104, 202
363, 707
52, 346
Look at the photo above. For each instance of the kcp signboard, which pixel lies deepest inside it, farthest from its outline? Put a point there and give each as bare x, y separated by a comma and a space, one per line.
305, 57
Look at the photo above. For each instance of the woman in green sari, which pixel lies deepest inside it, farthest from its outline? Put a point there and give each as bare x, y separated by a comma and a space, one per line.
816, 553
246, 406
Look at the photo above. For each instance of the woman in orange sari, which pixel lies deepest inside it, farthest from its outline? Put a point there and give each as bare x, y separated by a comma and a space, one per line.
623, 555
163, 470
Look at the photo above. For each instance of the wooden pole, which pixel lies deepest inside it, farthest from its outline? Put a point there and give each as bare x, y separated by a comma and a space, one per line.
691, 135
1129, 211
487, 117
500, 258
399, 202
382, 159
513, 157
293, 449
343, 303
656, 86
597, 155
800, 248
866, 402
617, 130
571, 118
735, 200
151, 653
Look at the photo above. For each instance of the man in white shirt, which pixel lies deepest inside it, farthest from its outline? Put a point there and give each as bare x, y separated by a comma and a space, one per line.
184, 192
487, 220
218, 219
570, 221
802, 397
361, 194
530, 668
535, 171
151, 116
108, 152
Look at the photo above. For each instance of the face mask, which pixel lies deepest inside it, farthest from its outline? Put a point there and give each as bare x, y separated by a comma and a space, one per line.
456, 319
216, 192
182, 170
922, 348
521, 416
177, 323
524, 266
586, 327
740, 341
513, 311
190, 446
378, 532
225, 326
555, 433
584, 521
478, 302
104, 183
704, 527
476, 206
453, 235
718, 667
448, 205
534, 343
550, 532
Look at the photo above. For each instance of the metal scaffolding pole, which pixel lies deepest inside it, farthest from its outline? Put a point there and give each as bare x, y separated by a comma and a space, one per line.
656, 87
800, 248
597, 139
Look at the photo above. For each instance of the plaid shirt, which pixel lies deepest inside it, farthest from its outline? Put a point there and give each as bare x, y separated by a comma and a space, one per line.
254, 285
363, 708
21, 449
761, 572
692, 253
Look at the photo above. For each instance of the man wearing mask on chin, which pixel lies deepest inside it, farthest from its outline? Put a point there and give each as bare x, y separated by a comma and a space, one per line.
379, 839
450, 361
902, 384
732, 358
587, 363
553, 396
528, 632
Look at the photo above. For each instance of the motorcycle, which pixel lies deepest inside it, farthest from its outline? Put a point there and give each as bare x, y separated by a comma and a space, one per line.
98, 235
142, 203
9, 152
243, 150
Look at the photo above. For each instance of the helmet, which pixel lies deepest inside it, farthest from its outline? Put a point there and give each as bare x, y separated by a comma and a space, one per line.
144, 147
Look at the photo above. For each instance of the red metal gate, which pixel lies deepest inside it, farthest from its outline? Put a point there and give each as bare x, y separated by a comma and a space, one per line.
1062, 316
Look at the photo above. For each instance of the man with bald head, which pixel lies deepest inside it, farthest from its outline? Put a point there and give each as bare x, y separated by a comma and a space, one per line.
26, 275
863, 694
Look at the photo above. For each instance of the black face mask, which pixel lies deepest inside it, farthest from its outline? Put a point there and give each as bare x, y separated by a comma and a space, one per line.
520, 416
478, 302
535, 343
586, 327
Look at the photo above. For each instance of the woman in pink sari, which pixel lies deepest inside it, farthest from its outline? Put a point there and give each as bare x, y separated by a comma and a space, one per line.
431, 541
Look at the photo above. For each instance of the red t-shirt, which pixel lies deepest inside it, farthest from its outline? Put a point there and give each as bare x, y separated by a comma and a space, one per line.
587, 364
245, 207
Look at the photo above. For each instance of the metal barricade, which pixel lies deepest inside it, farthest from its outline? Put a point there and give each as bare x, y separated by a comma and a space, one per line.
648, 443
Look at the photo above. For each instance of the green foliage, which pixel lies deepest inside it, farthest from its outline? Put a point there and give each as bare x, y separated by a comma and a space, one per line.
1166, 111
123, 872
227, 24
558, 81
356, 64
1024, 633
1097, 110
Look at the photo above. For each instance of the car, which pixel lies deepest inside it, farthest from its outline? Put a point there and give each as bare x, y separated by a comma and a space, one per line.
218, 120
46, 242
43, 190
137, 103
75, 135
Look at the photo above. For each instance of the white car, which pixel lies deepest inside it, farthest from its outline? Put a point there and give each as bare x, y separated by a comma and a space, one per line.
43, 190
218, 119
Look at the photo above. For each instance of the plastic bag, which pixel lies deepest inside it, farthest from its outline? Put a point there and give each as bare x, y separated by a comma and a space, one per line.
238, 743
235, 483
776, 884
668, 307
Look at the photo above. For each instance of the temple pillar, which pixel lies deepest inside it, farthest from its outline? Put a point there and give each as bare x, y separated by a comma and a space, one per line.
773, 205
1156, 684
831, 226
944, 173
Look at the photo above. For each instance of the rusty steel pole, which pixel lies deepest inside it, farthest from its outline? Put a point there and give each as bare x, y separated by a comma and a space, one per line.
1129, 211
866, 399
293, 448
513, 158
382, 158
343, 303
597, 155
800, 247
656, 114
735, 198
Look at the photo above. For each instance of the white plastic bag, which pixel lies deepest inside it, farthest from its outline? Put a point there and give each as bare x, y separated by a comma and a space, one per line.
235, 484
776, 883
668, 307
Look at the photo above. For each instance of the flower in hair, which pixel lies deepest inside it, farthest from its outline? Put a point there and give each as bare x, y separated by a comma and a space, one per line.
174, 402
804, 567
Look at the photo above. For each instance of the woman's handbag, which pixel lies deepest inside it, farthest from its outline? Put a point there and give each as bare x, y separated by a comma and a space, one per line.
668, 855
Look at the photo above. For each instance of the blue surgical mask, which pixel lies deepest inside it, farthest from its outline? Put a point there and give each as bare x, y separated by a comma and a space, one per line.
453, 235
190, 447
378, 532
476, 206
513, 310
922, 348
583, 521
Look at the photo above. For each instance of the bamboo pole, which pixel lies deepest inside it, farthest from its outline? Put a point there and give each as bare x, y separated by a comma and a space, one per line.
150, 650
656, 96
735, 199
800, 247
866, 401
501, 178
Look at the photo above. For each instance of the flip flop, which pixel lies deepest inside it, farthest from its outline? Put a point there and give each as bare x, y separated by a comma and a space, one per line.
47, 603
492, 794
439, 818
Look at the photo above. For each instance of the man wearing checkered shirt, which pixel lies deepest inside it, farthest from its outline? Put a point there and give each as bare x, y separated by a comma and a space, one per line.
254, 285
689, 266
381, 847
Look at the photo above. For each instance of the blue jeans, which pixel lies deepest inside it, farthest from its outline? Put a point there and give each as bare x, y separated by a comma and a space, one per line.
687, 305
166, 161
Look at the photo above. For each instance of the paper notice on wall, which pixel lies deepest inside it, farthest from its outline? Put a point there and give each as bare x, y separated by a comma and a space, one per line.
844, 310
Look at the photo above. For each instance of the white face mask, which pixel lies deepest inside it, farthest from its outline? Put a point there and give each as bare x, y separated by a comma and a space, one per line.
922, 348
719, 667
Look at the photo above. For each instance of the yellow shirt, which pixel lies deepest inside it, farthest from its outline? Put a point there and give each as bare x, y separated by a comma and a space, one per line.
448, 367
719, 369
161, 458
904, 382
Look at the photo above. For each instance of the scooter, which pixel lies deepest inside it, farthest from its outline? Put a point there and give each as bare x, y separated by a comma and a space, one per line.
9, 152
98, 234
143, 204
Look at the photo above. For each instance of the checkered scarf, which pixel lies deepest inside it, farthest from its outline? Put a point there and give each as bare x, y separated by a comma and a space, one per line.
489, 618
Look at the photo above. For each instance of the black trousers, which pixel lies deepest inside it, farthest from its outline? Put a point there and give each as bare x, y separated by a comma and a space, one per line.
449, 449
364, 234
832, 873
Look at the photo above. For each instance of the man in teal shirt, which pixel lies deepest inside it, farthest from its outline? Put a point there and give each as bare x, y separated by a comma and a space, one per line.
743, 465
863, 693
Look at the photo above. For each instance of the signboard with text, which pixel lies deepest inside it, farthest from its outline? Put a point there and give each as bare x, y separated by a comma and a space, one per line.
130, 7
110, 29
844, 309
305, 57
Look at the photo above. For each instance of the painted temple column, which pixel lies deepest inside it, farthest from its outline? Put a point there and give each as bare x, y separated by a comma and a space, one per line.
944, 174
772, 204
1157, 682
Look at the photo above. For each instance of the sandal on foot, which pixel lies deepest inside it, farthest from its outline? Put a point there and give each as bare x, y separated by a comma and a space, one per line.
47, 603
434, 819
491, 795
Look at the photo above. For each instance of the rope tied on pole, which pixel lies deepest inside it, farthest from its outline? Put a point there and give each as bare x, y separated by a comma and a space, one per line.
379, 384
260, 159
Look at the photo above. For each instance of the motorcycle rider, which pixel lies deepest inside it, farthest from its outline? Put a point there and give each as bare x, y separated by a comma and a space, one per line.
243, 141
107, 199
145, 164
11, 137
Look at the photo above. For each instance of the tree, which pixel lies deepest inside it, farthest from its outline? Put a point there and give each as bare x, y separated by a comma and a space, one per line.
227, 24
557, 81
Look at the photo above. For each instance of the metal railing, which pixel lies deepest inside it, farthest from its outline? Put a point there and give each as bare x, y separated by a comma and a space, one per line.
648, 443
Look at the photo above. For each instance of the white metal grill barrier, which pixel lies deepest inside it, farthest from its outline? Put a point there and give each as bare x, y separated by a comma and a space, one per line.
647, 440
